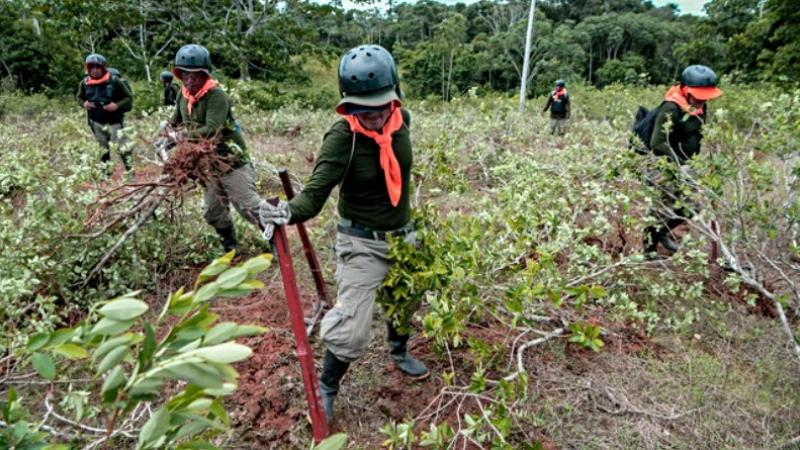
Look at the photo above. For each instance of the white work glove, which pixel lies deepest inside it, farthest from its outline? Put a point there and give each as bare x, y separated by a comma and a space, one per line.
161, 145
271, 216
168, 131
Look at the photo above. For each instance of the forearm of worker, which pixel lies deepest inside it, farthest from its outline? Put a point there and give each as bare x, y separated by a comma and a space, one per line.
659, 142
176, 118
81, 95
127, 97
547, 106
330, 168
216, 118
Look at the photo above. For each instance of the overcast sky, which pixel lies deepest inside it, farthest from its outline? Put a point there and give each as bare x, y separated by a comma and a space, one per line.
687, 6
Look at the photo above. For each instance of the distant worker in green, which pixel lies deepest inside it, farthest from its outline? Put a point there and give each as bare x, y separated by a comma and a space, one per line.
171, 90
676, 134
558, 104
367, 153
203, 111
106, 99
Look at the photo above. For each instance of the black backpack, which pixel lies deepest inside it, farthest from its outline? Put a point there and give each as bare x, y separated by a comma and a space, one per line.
643, 125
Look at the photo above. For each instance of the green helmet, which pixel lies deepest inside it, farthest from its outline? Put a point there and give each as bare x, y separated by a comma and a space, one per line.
192, 58
560, 83
166, 76
365, 69
698, 76
95, 58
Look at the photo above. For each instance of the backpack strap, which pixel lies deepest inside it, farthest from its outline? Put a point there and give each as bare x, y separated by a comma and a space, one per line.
349, 160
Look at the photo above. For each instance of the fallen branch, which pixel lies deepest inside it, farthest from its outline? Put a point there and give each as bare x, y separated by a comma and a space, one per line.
624, 406
521, 351
192, 163
733, 263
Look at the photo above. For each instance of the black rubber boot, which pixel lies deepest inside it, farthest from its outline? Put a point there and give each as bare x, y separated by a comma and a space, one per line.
659, 235
398, 350
227, 237
333, 369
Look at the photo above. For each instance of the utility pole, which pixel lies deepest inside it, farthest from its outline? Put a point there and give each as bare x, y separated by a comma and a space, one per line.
523, 88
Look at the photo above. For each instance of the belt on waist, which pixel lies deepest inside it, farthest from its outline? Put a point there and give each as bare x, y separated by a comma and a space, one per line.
366, 233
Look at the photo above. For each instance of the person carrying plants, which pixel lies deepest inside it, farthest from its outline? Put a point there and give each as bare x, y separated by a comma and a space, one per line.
367, 153
203, 112
676, 134
106, 99
171, 90
558, 104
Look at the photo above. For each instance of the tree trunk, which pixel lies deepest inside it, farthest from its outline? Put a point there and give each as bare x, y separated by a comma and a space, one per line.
523, 85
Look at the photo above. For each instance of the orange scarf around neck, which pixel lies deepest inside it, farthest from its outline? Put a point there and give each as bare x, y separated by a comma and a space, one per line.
192, 99
678, 95
389, 163
104, 79
557, 94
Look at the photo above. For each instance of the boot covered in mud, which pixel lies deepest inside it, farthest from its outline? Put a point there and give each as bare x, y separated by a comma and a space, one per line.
333, 369
227, 237
398, 350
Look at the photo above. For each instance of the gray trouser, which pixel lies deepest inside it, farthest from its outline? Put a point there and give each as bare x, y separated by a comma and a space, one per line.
558, 126
237, 187
109, 133
361, 267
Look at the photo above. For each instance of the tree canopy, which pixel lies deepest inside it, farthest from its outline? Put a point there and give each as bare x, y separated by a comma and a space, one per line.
443, 50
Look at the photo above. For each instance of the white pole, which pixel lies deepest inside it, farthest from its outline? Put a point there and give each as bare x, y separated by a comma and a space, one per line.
523, 89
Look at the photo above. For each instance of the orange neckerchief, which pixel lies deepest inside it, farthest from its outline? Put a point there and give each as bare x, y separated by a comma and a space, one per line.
389, 164
678, 95
558, 93
104, 79
192, 99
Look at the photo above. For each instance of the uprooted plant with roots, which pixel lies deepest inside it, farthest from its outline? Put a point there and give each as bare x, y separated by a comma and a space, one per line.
189, 164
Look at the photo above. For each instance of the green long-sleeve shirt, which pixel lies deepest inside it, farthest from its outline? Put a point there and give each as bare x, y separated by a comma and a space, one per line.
212, 118
676, 131
363, 197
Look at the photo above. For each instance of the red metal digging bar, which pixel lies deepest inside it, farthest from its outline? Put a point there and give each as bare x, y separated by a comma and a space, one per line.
322, 289
319, 425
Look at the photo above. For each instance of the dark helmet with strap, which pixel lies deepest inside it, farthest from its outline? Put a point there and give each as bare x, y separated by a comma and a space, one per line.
166, 76
367, 80
367, 68
95, 59
192, 58
698, 76
560, 83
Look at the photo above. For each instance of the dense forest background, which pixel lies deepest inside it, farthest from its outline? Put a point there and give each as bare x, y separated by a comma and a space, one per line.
443, 50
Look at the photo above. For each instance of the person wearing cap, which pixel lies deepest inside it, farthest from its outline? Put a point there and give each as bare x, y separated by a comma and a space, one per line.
106, 99
367, 153
558, 104
203, 112
677, 132
171, 90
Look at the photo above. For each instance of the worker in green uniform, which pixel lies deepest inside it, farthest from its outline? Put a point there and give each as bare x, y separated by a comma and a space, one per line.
171, 90
106, 99
676, 136
203, 111
558, 104
368, 154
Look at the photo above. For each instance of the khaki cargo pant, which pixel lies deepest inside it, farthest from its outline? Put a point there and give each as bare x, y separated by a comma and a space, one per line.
558, 126
110, 133
361, 267
238, 187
